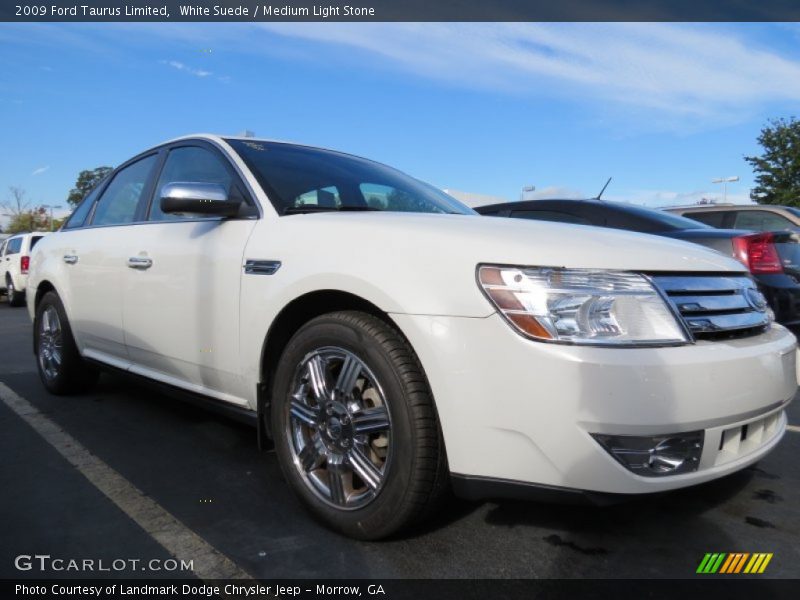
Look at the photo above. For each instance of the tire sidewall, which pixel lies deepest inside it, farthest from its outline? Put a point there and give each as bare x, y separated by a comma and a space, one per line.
13, 296
60, 383
378, 517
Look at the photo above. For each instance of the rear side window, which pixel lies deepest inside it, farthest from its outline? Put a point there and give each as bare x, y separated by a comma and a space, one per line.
714, 218
78, 216
34, 240
760, 220
14, 246
121, 198
551, 215
189, 164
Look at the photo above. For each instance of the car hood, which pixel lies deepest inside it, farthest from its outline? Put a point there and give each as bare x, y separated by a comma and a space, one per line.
425, 264
479, 239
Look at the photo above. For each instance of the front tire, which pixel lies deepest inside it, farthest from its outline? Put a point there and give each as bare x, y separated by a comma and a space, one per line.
355, 427
61, 368
15, 297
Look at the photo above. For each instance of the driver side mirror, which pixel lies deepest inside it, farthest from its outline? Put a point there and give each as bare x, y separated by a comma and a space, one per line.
197, 198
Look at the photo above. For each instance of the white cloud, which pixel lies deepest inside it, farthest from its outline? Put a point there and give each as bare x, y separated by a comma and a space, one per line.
693, 71
40, 170
657, 74
663, 198
557, 192
182, 67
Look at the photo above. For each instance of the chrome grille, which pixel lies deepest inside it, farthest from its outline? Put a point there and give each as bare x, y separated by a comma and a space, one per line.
716, 306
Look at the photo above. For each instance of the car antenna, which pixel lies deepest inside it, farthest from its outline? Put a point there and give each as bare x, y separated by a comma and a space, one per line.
603, 190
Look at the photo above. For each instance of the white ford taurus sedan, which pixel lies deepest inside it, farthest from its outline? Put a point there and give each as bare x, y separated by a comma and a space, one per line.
393, 345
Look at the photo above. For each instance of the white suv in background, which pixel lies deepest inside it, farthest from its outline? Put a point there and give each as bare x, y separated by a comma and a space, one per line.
393, 344
15, 257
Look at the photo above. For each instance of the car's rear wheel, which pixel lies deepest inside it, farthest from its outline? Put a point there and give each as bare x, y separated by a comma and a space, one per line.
15, 297
355, 427
61, 368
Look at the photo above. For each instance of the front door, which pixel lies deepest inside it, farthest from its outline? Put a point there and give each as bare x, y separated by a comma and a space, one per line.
182, 291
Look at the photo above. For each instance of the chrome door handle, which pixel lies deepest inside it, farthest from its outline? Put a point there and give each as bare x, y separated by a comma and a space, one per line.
70, 259
139, 262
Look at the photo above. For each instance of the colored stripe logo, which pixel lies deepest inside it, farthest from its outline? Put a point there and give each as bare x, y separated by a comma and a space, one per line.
734, 562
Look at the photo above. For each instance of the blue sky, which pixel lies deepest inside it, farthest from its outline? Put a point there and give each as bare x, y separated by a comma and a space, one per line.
485, 108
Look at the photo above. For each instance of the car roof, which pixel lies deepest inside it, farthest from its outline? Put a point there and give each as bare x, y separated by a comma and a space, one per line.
721, 207
223, 139
539, 202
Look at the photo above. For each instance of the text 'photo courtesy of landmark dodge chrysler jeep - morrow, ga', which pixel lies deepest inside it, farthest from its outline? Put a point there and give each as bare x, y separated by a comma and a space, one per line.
394, 345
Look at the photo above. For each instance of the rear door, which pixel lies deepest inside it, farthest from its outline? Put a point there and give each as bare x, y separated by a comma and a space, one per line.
3, 245
10, 260
96, 261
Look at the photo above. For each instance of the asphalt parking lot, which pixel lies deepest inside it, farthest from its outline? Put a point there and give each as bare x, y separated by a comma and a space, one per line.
206, 471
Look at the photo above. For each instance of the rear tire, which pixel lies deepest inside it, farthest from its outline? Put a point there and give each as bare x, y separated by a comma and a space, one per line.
15, 297
61, 368
355, 427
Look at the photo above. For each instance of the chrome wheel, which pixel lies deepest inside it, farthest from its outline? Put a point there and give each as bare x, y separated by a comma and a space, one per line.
9, 287
50, 343
339, 428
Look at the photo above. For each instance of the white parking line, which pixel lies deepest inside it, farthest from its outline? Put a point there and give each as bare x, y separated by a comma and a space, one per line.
174, 536
794, 428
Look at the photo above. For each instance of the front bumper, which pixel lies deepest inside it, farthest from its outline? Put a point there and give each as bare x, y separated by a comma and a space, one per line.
523, 411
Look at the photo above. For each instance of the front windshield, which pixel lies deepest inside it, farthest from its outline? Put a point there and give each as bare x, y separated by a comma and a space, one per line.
299, 178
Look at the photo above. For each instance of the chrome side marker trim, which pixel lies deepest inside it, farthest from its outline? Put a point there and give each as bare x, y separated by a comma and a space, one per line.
261, 267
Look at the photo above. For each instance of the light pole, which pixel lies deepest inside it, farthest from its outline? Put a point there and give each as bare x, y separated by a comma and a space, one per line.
526, 192
725, 181
51, 207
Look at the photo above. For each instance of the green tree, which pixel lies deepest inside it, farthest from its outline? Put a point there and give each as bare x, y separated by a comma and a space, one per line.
22, 222
18, 210
86, 181
777, 169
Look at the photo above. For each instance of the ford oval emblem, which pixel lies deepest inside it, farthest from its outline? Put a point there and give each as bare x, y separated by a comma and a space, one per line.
756, 299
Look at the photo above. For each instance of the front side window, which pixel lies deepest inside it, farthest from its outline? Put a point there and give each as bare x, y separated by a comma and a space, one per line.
760, 220
78, 216
189, 164
298, 176
121, 198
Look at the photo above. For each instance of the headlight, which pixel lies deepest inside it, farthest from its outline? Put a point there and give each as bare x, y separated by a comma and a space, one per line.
581, 306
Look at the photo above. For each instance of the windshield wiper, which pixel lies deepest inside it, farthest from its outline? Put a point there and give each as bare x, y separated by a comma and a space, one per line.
314, 208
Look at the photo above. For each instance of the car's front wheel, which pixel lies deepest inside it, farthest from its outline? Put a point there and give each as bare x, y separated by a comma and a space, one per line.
61, 368
355, 427
15, 297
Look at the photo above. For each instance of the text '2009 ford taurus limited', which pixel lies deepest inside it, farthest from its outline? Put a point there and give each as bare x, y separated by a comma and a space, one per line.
395, 345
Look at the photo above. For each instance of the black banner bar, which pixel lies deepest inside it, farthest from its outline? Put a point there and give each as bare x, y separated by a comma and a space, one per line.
398, 10
733, 587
